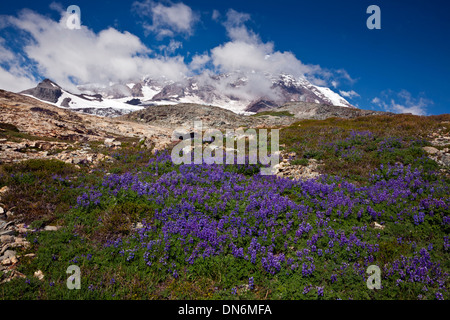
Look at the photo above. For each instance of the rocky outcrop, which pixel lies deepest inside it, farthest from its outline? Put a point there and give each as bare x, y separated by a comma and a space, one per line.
297, 172
12, 237
440, 149
136, 91
36, 118
12, 240
262, 105
46, 90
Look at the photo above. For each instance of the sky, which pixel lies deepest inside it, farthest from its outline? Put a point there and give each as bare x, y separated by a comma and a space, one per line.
402, 67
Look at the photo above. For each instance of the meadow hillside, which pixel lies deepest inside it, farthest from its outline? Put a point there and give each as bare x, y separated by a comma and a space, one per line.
350, 193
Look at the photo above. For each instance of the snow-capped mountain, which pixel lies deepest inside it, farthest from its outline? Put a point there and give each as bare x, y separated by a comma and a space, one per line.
49, 92
238, 92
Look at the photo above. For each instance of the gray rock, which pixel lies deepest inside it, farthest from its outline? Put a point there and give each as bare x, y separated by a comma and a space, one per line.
9, 254
109, 143
446, 160
51, 228
430, 150
6, 239
7, 233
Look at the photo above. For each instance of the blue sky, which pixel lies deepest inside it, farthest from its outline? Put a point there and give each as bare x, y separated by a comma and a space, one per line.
403, 67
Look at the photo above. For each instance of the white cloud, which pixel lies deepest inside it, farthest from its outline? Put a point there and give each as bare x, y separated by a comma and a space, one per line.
215, 15
57, 7
199, 62
83, 56
246, 52
349, 94
166, 21
343, 74
5, 54
13, 77
402, 102
376, 101
15, 81
236, 28
171, 47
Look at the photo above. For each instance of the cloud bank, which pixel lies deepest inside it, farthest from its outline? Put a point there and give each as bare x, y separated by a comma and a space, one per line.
73, 57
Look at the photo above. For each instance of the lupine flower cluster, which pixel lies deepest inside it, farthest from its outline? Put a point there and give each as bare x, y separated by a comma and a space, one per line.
419, 268
276, 224
349, 147
389, 144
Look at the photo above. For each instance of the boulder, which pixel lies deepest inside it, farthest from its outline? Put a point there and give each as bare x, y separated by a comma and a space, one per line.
376, 225
7, 232
6, 239
430, 150
108, 143
52, 228
39, 274
4, 189
9, 254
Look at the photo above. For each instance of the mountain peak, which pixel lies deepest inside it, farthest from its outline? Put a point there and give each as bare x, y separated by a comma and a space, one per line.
46, 90
47, 82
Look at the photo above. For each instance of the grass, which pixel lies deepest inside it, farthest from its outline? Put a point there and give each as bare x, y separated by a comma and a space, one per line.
101, 237
393, 138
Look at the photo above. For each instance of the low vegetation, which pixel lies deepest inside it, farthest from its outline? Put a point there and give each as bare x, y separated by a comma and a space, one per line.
142, 228
274, 114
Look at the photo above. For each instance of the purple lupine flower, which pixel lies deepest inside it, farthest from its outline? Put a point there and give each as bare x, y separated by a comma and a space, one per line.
251, 283
320, 291
439, 296
333, 278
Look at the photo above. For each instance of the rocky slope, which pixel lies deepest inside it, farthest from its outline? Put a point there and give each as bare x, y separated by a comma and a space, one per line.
183, 115
40, 119
305, 110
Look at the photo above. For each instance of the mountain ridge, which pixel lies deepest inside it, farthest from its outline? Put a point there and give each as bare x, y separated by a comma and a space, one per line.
238, 92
